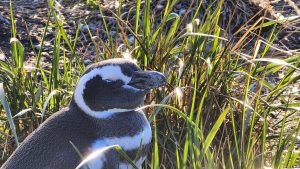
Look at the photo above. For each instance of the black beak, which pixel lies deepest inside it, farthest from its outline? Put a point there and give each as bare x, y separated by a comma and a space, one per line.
147, 80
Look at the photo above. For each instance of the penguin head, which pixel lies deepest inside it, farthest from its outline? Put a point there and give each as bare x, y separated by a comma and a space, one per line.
114, 85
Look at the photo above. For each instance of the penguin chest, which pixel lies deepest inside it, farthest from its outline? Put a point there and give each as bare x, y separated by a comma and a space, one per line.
126, 142
131, 144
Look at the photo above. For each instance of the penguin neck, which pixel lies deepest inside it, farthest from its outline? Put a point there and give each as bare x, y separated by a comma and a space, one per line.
101, 115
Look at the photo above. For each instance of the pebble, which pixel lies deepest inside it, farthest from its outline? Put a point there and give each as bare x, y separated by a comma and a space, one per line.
113, 33
131, 40
37, 47
111, 22
39, 75
182, 12
178, 6
6, 21
47, 44
92, 27
45, 54
159, 6
84, 28
2, 56
74, 14
99, 16
87, 62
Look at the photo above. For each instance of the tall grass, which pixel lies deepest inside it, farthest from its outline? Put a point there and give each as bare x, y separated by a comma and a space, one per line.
217, 108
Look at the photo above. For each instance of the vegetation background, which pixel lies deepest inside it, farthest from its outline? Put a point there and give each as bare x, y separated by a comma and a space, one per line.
232, 98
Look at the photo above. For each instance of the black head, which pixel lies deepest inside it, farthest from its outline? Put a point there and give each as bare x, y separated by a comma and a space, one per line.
114, 85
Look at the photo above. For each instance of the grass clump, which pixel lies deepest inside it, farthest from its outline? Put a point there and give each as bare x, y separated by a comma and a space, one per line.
219, 109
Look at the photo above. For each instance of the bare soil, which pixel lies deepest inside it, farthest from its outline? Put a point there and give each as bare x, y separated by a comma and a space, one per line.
31, 18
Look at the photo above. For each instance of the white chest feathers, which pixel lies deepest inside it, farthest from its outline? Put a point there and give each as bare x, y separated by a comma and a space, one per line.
127, 143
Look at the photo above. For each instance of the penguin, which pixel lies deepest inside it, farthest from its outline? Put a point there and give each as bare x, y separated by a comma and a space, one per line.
103, 112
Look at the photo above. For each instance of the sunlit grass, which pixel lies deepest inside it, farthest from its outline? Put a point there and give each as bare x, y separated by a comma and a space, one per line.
216, 110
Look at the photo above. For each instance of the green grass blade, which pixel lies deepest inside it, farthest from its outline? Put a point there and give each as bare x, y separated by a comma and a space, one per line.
8, 113
54, 92
215, 129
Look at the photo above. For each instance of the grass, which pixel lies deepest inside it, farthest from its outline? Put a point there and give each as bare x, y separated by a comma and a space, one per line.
218, 108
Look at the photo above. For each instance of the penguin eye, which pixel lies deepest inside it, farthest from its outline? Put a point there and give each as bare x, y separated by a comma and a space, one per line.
130, 69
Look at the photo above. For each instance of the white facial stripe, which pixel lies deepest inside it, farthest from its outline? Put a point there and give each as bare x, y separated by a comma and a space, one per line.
110, 72
113, 73
107, 113
138, 163
127, 143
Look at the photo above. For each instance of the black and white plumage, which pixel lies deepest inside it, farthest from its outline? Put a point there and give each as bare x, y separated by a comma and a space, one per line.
101, 113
